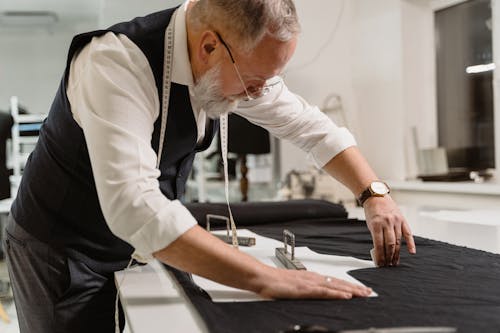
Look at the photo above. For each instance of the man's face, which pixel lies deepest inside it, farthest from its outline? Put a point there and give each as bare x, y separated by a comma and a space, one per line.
208, 91
226, 83
250, 71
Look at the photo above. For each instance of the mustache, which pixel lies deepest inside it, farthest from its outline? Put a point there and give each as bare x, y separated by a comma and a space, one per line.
208, 93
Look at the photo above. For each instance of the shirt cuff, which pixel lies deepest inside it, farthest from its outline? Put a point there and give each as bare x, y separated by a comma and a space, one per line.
331, 145
161, 231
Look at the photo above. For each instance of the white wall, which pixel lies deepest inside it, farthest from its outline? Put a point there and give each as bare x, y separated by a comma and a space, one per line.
32, 64
496, 83
321, 64
419, 88
380, 62
378, 84
113, 11
32, 60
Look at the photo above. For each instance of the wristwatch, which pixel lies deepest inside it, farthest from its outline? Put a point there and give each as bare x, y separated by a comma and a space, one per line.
376, 189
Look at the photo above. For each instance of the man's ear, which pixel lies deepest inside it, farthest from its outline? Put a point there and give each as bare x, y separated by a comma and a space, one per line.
208, 44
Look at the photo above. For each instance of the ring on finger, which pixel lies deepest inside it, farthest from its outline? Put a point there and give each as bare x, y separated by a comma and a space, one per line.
328, 279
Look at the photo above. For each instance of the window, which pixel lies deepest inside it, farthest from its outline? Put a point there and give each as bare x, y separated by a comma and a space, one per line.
464, 64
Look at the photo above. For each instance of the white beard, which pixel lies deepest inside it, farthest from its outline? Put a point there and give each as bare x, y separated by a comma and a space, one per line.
209, 96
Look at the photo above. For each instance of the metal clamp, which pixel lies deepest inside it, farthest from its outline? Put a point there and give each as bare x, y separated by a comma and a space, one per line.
288, 258
243, 241
287, 234
218, 217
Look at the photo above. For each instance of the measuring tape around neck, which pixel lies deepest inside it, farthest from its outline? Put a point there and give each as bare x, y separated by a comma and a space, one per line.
167, 80
223, 143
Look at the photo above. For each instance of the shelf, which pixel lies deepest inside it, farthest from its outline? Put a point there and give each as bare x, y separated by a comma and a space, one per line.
28, 140
29, 118
24, 131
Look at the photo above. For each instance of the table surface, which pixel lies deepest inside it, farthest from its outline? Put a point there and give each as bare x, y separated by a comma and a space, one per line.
152, 299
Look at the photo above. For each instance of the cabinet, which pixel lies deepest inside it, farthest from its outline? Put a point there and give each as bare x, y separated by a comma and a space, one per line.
451, 195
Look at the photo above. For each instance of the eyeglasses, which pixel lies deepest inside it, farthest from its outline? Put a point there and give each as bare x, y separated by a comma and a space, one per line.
252, 92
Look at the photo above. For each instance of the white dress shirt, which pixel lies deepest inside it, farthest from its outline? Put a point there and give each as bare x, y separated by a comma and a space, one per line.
114, 99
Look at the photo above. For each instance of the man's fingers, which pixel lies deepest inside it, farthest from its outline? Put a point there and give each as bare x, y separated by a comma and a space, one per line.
378, 245
388, 227
395, 258
325, 292
410, 242
305, 284
390, 245
348, 287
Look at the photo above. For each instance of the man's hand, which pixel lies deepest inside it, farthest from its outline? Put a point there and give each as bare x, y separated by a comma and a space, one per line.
198, 252
383, 217
387, 226
283, 283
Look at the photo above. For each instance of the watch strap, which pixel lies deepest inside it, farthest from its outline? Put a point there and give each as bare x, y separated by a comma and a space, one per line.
364, 196
368, 193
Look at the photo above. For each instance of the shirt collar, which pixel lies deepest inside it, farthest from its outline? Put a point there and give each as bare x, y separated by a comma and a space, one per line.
181, 67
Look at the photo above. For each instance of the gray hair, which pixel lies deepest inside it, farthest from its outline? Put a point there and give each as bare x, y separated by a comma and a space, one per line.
248, 21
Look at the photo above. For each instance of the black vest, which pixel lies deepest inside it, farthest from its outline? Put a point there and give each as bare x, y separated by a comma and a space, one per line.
57, 200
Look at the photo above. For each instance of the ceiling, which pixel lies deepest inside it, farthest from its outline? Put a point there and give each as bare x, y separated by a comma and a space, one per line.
66, 10
72, 12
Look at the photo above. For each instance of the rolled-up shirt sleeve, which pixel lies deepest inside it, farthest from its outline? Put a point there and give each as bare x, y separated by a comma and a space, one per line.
114, 99
288, 116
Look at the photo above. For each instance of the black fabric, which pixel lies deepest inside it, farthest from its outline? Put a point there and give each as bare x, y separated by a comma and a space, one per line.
255, 213
442, 285
57, 200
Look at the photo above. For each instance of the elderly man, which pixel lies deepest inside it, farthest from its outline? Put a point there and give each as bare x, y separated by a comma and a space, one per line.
136, 102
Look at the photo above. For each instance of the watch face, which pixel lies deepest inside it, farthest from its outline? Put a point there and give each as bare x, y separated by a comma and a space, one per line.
379, 188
